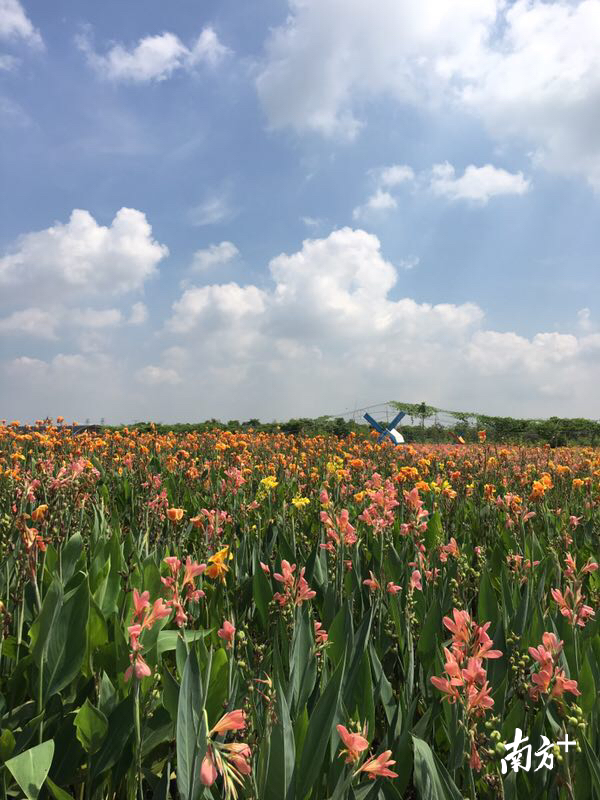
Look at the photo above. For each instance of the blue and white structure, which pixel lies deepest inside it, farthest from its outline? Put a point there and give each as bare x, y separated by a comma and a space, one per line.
389, 432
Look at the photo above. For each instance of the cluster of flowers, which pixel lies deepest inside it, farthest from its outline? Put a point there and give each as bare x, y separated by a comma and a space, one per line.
572, 601
181, 594
549, 678
354, 745
231, 760
466, 679
296, 589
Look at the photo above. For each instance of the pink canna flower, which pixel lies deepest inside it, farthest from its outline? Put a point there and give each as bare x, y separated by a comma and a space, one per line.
192, 570
377, 766
227, 633
354, 744
372, 582
232, 721
286, 575
138, 667
393, 588
239, 755
265, 568
321, 636
208, 770
140, 603
415, 580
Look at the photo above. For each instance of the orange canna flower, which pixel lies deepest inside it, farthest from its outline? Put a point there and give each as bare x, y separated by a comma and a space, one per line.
377, 766
354, 744
175, 514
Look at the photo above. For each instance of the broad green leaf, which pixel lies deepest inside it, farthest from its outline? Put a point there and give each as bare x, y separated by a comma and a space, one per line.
120, 732
67, 642
218, 686
487, 605
30, 768
167, 640
320, 729
587, 686
7, 744
43, 625
430, 634
92, 727
283, 752
170, 693
71, 557
191, 730
56, 792
262, 593
430, 777
593, 764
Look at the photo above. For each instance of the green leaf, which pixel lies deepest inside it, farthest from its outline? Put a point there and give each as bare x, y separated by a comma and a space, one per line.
430, 634
320, 728
430, 777
67, 642
7, 744
43, 625
71, 556
120, 731
30, 768
167, 640
170, 694
283, 752
189, 730
218, 686
435, 532
592, 763
56, 792
587, 686
487, 605
261, 592
92, 727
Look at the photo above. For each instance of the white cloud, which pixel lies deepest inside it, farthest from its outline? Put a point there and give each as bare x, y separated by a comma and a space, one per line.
530, 69
139, 314
208, 49
213, 304
94, 318
396, 174
83, 257
380, 200
331, 329
476, 183
329, 56
153, 375
31, 322
154, 58
15, 24
213, 256
211, 212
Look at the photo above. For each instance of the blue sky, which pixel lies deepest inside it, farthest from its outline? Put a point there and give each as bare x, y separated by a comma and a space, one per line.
279, 209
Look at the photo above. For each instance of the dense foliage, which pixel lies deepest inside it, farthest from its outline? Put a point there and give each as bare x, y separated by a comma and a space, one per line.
266, 616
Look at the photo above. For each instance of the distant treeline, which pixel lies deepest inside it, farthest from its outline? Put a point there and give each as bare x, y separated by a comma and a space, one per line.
555, 431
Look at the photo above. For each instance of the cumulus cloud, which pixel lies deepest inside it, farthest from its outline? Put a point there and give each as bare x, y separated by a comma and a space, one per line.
331, 328
529, 69
138, 315
211, 211
327, 331
213, 256
30, 322
16, 25
83, 257
154, 58
476, 183
153, 375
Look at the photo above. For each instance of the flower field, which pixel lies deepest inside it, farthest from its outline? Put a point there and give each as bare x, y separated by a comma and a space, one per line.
261, 616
